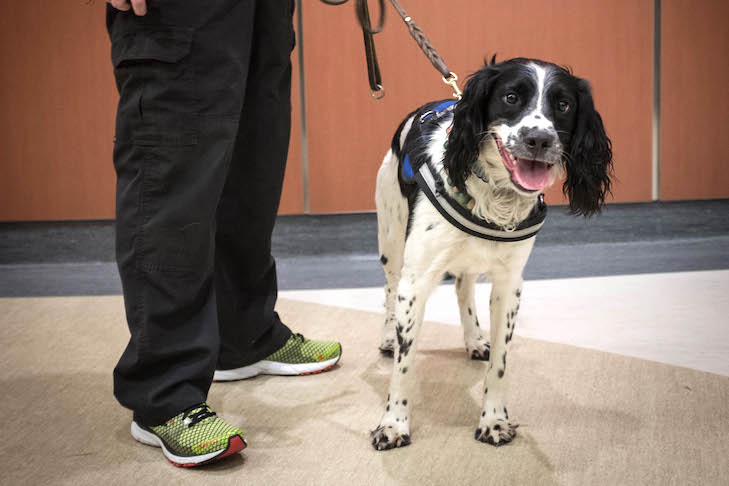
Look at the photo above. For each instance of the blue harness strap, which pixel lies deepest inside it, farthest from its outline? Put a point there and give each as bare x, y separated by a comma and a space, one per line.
407, 169
428, 113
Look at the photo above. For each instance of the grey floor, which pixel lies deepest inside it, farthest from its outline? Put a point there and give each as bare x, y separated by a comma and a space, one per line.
340, 251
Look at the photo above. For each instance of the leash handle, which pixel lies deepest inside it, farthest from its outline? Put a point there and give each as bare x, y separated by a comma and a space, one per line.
374, 77
373, 68
368, 33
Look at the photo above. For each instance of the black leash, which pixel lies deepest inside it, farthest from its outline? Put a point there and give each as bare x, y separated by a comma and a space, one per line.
373, 67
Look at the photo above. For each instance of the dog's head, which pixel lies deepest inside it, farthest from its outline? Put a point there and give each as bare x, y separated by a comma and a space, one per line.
541, 120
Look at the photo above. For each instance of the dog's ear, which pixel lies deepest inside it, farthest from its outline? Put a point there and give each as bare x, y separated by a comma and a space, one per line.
469, 126
589, 164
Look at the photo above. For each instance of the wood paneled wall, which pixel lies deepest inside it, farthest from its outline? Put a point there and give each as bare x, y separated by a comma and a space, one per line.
57, 95
694, 99
57, 108
609, 43
57, 112
292, 197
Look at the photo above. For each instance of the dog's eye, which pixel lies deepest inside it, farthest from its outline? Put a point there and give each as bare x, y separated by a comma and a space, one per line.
511, 98
563, 106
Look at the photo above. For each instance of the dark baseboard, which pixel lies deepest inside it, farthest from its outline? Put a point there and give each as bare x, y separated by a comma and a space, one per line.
356, 234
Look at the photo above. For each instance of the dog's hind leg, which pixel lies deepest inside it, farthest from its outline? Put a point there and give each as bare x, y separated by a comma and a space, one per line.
392, 220
476, 345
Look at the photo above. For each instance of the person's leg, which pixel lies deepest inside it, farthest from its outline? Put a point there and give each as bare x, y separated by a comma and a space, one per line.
181, 73
245, 271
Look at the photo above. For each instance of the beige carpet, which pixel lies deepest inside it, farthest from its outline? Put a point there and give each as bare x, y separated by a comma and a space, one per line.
586, 417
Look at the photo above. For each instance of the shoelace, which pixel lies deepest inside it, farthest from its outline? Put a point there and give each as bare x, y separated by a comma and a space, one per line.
197, 413
301, 337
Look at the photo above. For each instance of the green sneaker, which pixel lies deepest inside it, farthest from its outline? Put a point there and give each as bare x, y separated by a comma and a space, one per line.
192, 438
299, 356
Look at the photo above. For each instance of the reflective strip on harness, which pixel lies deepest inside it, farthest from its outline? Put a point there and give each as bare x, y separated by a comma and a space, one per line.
426, 181
437, 109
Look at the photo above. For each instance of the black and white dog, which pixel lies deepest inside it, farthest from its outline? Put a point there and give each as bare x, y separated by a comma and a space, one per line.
480, 165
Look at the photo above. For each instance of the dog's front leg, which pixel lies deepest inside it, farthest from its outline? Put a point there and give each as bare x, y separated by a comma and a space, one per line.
394, 428
494, 426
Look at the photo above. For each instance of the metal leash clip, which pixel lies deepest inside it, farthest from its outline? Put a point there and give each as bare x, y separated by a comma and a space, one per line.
452, 81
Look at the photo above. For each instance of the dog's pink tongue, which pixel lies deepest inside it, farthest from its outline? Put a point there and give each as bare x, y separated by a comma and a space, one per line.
531, 175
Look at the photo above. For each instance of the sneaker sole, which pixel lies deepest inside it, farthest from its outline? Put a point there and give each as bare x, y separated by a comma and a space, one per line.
275, 368
236, 443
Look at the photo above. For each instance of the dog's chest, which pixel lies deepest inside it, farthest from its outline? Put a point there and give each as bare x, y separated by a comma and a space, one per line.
440, 245
487, 257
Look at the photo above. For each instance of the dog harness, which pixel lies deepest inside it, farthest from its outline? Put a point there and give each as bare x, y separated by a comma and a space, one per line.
417, 168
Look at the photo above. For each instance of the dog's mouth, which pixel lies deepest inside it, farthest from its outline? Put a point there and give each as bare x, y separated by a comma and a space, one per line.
527, 175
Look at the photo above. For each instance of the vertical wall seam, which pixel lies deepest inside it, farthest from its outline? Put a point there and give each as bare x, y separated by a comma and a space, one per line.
656, 139
302, 108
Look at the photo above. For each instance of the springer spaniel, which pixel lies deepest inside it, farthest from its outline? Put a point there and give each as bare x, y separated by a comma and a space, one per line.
459, 193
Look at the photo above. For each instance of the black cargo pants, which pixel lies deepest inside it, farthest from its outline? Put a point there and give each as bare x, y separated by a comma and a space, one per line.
202, 137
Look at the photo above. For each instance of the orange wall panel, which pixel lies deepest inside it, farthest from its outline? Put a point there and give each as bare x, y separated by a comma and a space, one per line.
57, 95
609, 43
57, 112
292, 197
57, 108
694, 99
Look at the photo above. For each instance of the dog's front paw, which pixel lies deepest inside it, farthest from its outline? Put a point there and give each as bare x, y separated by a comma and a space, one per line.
497, 433
479, 349
387, 437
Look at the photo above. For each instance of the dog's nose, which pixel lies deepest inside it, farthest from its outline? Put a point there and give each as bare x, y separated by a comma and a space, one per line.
537, 140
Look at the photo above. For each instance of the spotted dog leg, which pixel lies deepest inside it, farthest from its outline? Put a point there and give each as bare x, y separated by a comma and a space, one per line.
392, 218
394, 428
476, 345
494, 426
392, 275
